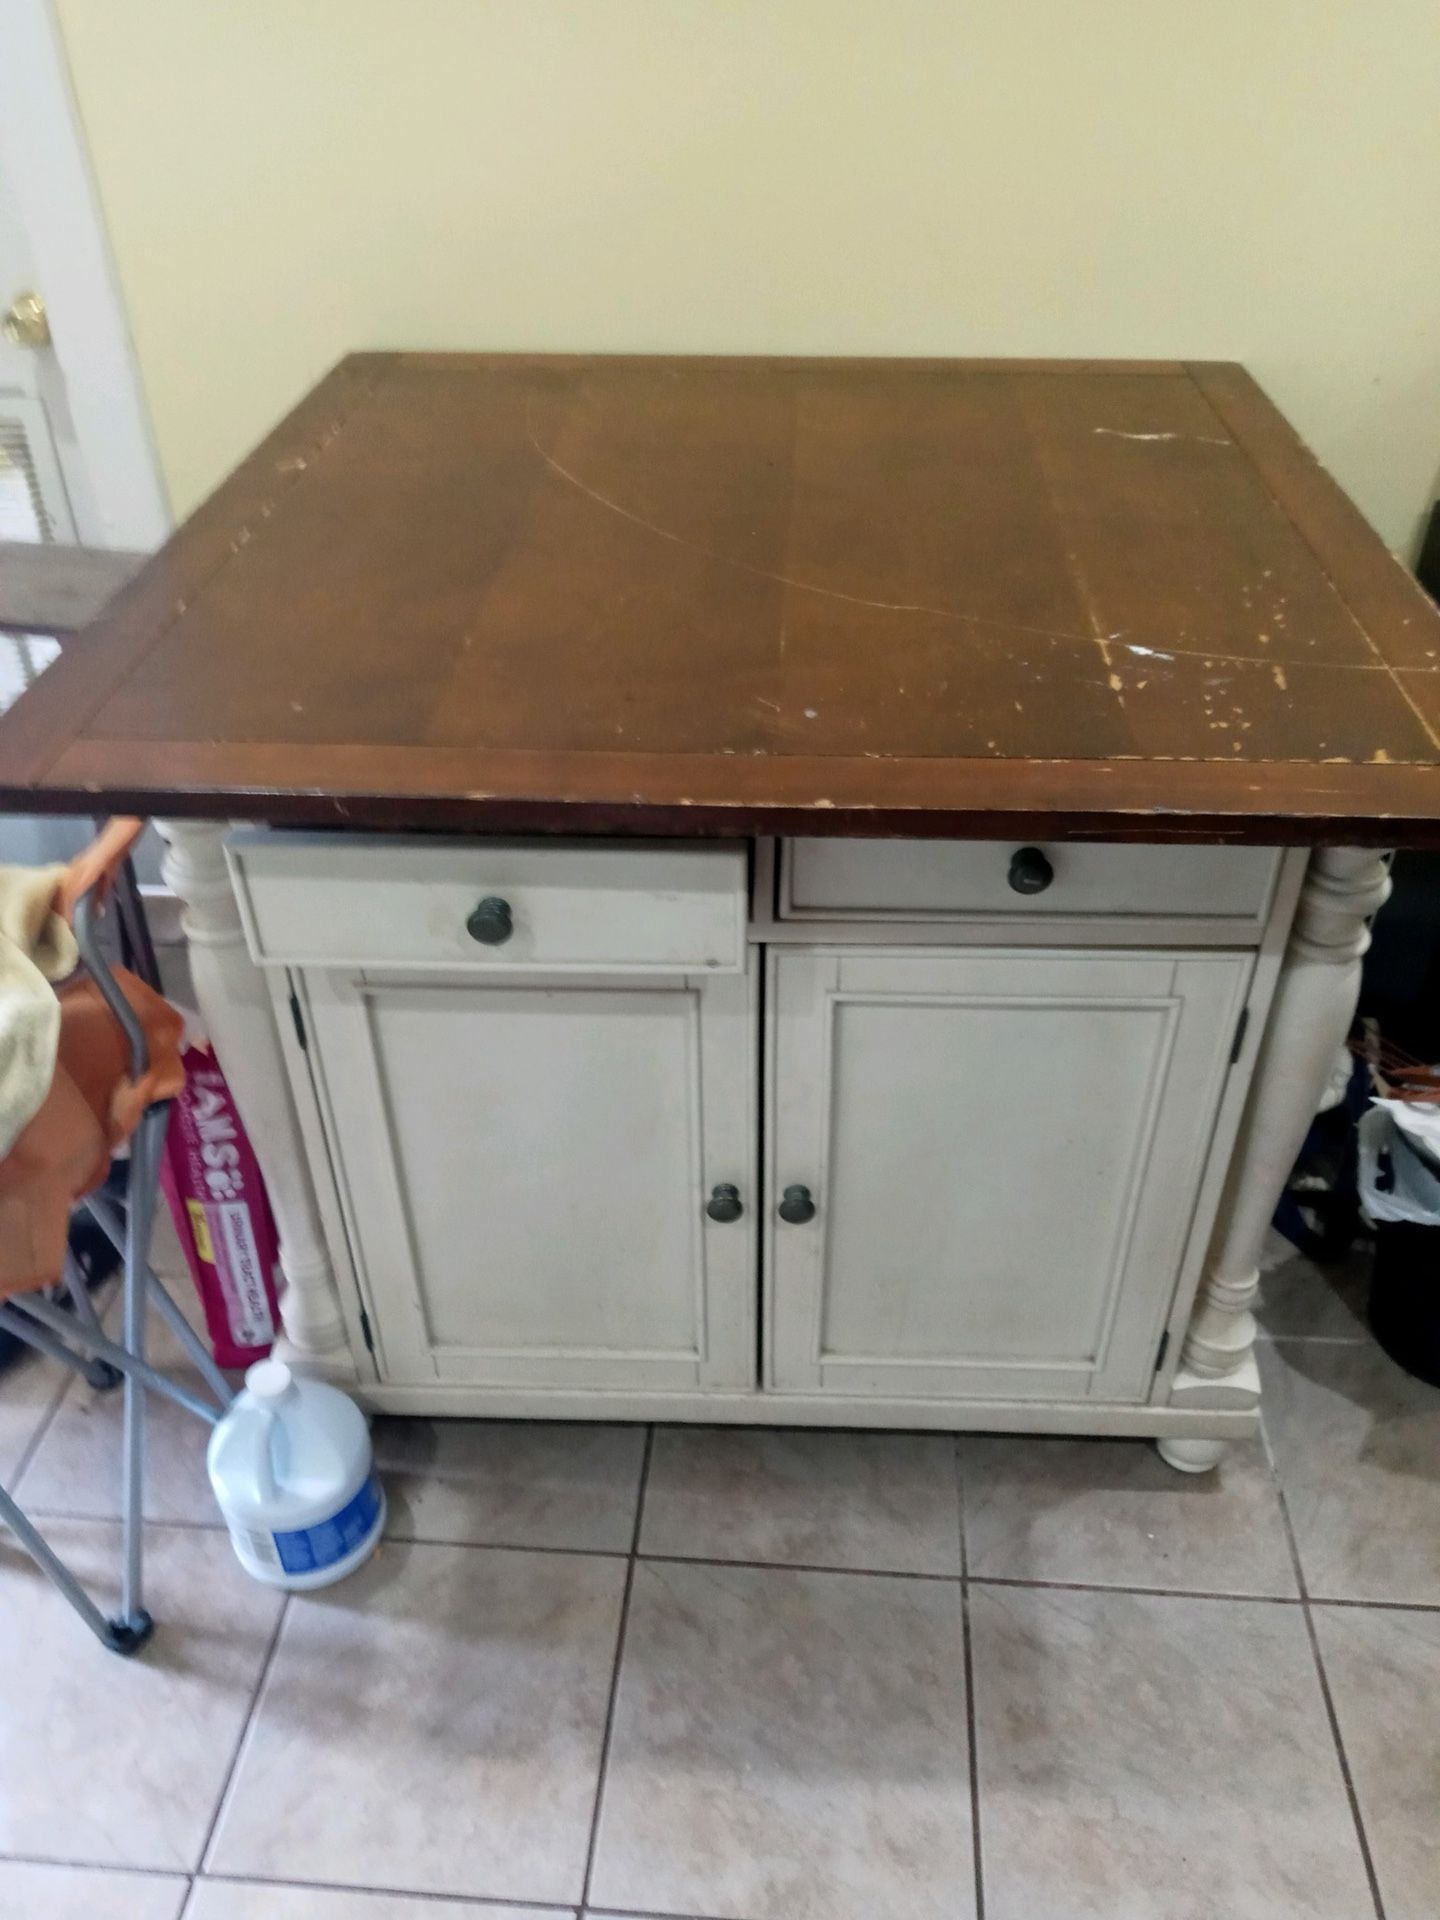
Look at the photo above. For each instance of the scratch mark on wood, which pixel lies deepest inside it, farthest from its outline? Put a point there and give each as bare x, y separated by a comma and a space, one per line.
782, 579
1197, 439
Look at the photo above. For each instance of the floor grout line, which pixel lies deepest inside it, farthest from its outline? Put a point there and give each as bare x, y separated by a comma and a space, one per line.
808, 1566
646, 1913
1333, 1718
114, 1519
795, 1566
507, 1546
94, 1866
463, 1900
593, 1843
1374, 1606
967, 1654
1139, 1593
257, 1693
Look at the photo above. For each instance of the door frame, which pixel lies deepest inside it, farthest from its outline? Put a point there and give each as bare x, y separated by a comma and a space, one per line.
47, 161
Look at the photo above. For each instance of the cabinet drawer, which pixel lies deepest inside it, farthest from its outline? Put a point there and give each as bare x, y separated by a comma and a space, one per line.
929, 880
490, 905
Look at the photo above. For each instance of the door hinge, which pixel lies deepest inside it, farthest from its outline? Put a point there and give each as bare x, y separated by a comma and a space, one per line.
1239, 1041
365, 1333
1164, 1349
296, 1016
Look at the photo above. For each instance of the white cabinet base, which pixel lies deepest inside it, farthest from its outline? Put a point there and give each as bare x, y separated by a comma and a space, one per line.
771, 1409
1205, 1391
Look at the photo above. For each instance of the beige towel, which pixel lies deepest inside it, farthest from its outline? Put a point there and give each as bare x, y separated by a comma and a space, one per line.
36, 947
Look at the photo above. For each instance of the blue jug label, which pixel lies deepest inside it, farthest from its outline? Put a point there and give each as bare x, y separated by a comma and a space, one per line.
311, 1549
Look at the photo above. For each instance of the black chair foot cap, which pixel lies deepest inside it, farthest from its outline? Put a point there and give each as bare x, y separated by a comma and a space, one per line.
128, 1636
100, 1375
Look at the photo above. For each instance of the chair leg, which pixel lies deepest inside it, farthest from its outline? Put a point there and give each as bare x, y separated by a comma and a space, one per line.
112, 1222
53, 1332
144, 1174
17, 1320
119, 1635
43, 1325
94, 1370
98, 1373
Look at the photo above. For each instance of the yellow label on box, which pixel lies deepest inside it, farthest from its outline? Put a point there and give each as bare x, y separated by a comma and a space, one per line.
200, 1227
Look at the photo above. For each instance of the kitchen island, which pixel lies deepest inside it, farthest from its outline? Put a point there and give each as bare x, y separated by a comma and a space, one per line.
792, 891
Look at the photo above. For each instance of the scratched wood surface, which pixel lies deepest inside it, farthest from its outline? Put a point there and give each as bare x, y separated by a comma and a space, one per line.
711, 595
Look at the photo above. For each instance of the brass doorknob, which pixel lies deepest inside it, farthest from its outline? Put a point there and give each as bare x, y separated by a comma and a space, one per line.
26, 323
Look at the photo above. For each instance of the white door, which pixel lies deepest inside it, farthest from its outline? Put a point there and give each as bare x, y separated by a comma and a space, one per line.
526, 1166
34, 506
76, 460
74, 400
34, 496
1003, 1152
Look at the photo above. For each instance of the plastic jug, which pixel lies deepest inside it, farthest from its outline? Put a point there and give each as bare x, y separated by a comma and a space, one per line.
293, 1472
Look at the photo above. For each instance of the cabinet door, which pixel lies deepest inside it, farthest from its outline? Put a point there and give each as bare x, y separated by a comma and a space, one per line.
524, 1168
1004, 1151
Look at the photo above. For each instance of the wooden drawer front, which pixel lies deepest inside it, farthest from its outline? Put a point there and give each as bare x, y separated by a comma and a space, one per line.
380, 901
947, 879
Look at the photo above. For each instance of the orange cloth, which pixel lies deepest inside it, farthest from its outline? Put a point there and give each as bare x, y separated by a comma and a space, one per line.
92, 1106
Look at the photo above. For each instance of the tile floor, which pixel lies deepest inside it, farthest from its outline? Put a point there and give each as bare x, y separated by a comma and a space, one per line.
759, 1675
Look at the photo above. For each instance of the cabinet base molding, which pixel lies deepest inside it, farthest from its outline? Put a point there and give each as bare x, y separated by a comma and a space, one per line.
769, 1409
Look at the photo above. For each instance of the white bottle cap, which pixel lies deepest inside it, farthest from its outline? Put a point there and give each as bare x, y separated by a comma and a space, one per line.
268, 1379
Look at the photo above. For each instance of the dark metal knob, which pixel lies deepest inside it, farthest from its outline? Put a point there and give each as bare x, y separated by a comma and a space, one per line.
491, 922
1030, 871
797, 1206
724, 1204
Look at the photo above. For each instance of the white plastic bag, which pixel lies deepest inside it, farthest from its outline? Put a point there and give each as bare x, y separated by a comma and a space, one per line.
1419, 1123
1412, 1187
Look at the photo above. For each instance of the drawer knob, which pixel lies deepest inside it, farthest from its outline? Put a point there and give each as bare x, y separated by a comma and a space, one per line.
797, 1205
724, 1204
1030, 871
491, 922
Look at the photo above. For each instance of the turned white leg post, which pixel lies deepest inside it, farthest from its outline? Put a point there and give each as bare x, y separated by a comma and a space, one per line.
1310, 1017
235, 1008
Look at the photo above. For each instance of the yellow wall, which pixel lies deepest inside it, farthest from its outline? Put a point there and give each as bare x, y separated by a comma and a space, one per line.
1247, 179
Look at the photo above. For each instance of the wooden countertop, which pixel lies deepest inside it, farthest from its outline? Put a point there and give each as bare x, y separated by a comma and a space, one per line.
711, 595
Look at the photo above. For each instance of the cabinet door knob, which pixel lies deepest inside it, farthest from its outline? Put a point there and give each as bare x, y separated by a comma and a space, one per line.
797, 1205
491, 922
724, 1204
1030, 871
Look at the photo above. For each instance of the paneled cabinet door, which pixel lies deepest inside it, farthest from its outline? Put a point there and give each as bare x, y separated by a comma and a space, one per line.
1003, 1152
525, 1167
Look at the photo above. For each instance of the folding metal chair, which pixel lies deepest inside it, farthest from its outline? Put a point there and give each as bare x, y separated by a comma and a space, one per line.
114, 1032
